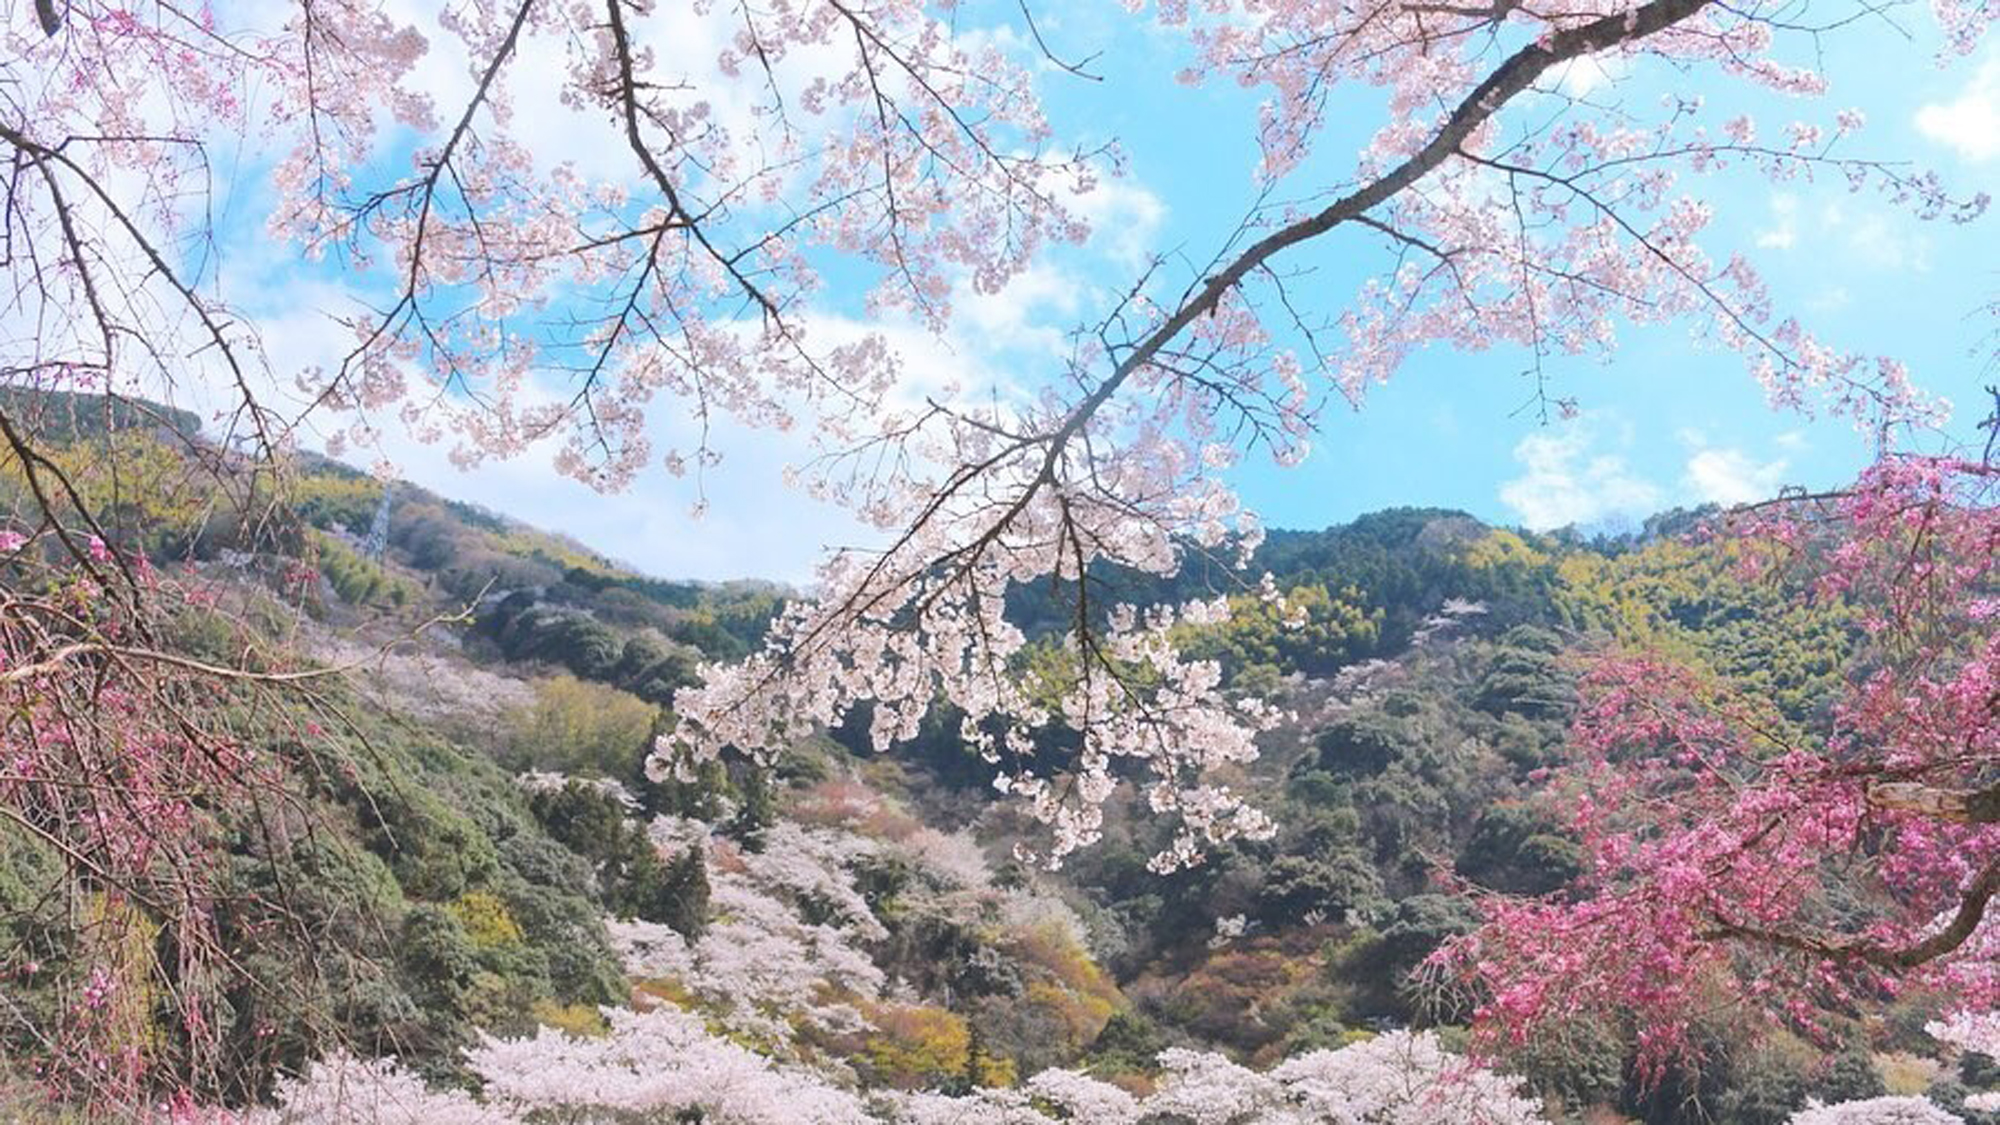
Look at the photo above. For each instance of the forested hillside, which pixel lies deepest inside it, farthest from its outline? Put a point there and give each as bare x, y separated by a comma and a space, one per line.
419, 869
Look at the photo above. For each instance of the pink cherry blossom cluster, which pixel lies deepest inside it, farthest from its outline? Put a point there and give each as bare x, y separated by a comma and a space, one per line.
1719, 834
867, 133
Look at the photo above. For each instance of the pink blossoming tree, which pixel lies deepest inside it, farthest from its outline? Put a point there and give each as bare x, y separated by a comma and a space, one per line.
1736, 860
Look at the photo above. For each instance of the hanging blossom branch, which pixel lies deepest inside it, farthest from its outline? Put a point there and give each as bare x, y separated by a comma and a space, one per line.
894, 145
130, 765
879, 135
1114, 466
143, 770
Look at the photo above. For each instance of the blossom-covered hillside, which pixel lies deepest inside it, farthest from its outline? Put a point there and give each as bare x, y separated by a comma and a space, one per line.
464, 884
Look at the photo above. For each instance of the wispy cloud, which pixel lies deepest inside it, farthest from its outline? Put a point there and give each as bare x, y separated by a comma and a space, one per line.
1124, 215
1731, 476
1581, 76
1970, 122
1567, 479
1783, 232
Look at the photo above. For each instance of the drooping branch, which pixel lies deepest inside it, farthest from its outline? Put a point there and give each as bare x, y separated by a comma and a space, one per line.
1957, 929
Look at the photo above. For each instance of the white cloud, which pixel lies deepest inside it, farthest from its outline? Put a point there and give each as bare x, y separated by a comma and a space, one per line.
1970, 122
1731, 476
1031, 313
1889, 246
1884, 240
1784, 231
1566, 481
1875, 236
1579, 77
1123, 215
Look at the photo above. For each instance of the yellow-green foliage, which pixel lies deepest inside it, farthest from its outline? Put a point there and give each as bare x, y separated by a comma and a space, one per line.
995, 1072
528, 543
1503, 548
1051, 669
584, 1021
1066, 985
132, 973
1259, 634
326, 499
132, 483
1638, 598
578, 727
917, 1045
1228, 996
1687, 601
358, 581
1906, 1074
670, 991
486, 920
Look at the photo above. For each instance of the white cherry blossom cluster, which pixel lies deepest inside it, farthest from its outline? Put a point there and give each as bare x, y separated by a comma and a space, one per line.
762, 962
658, 1064
790, 936
1399, 1078
1979, 1033
343, 1090
1128, 695
664, 1063
1895, 1110
550, 781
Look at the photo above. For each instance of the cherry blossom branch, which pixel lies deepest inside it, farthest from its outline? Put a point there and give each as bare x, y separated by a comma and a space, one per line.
1962, 924
1960, 806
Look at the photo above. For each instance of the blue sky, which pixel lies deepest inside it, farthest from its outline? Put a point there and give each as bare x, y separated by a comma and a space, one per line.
1668, 422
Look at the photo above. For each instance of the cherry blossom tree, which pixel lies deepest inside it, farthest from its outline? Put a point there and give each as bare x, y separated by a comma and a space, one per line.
766, 960
1977, 1033
790, 945
342, 1090
1735, 858
1399, 1078
129, 761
